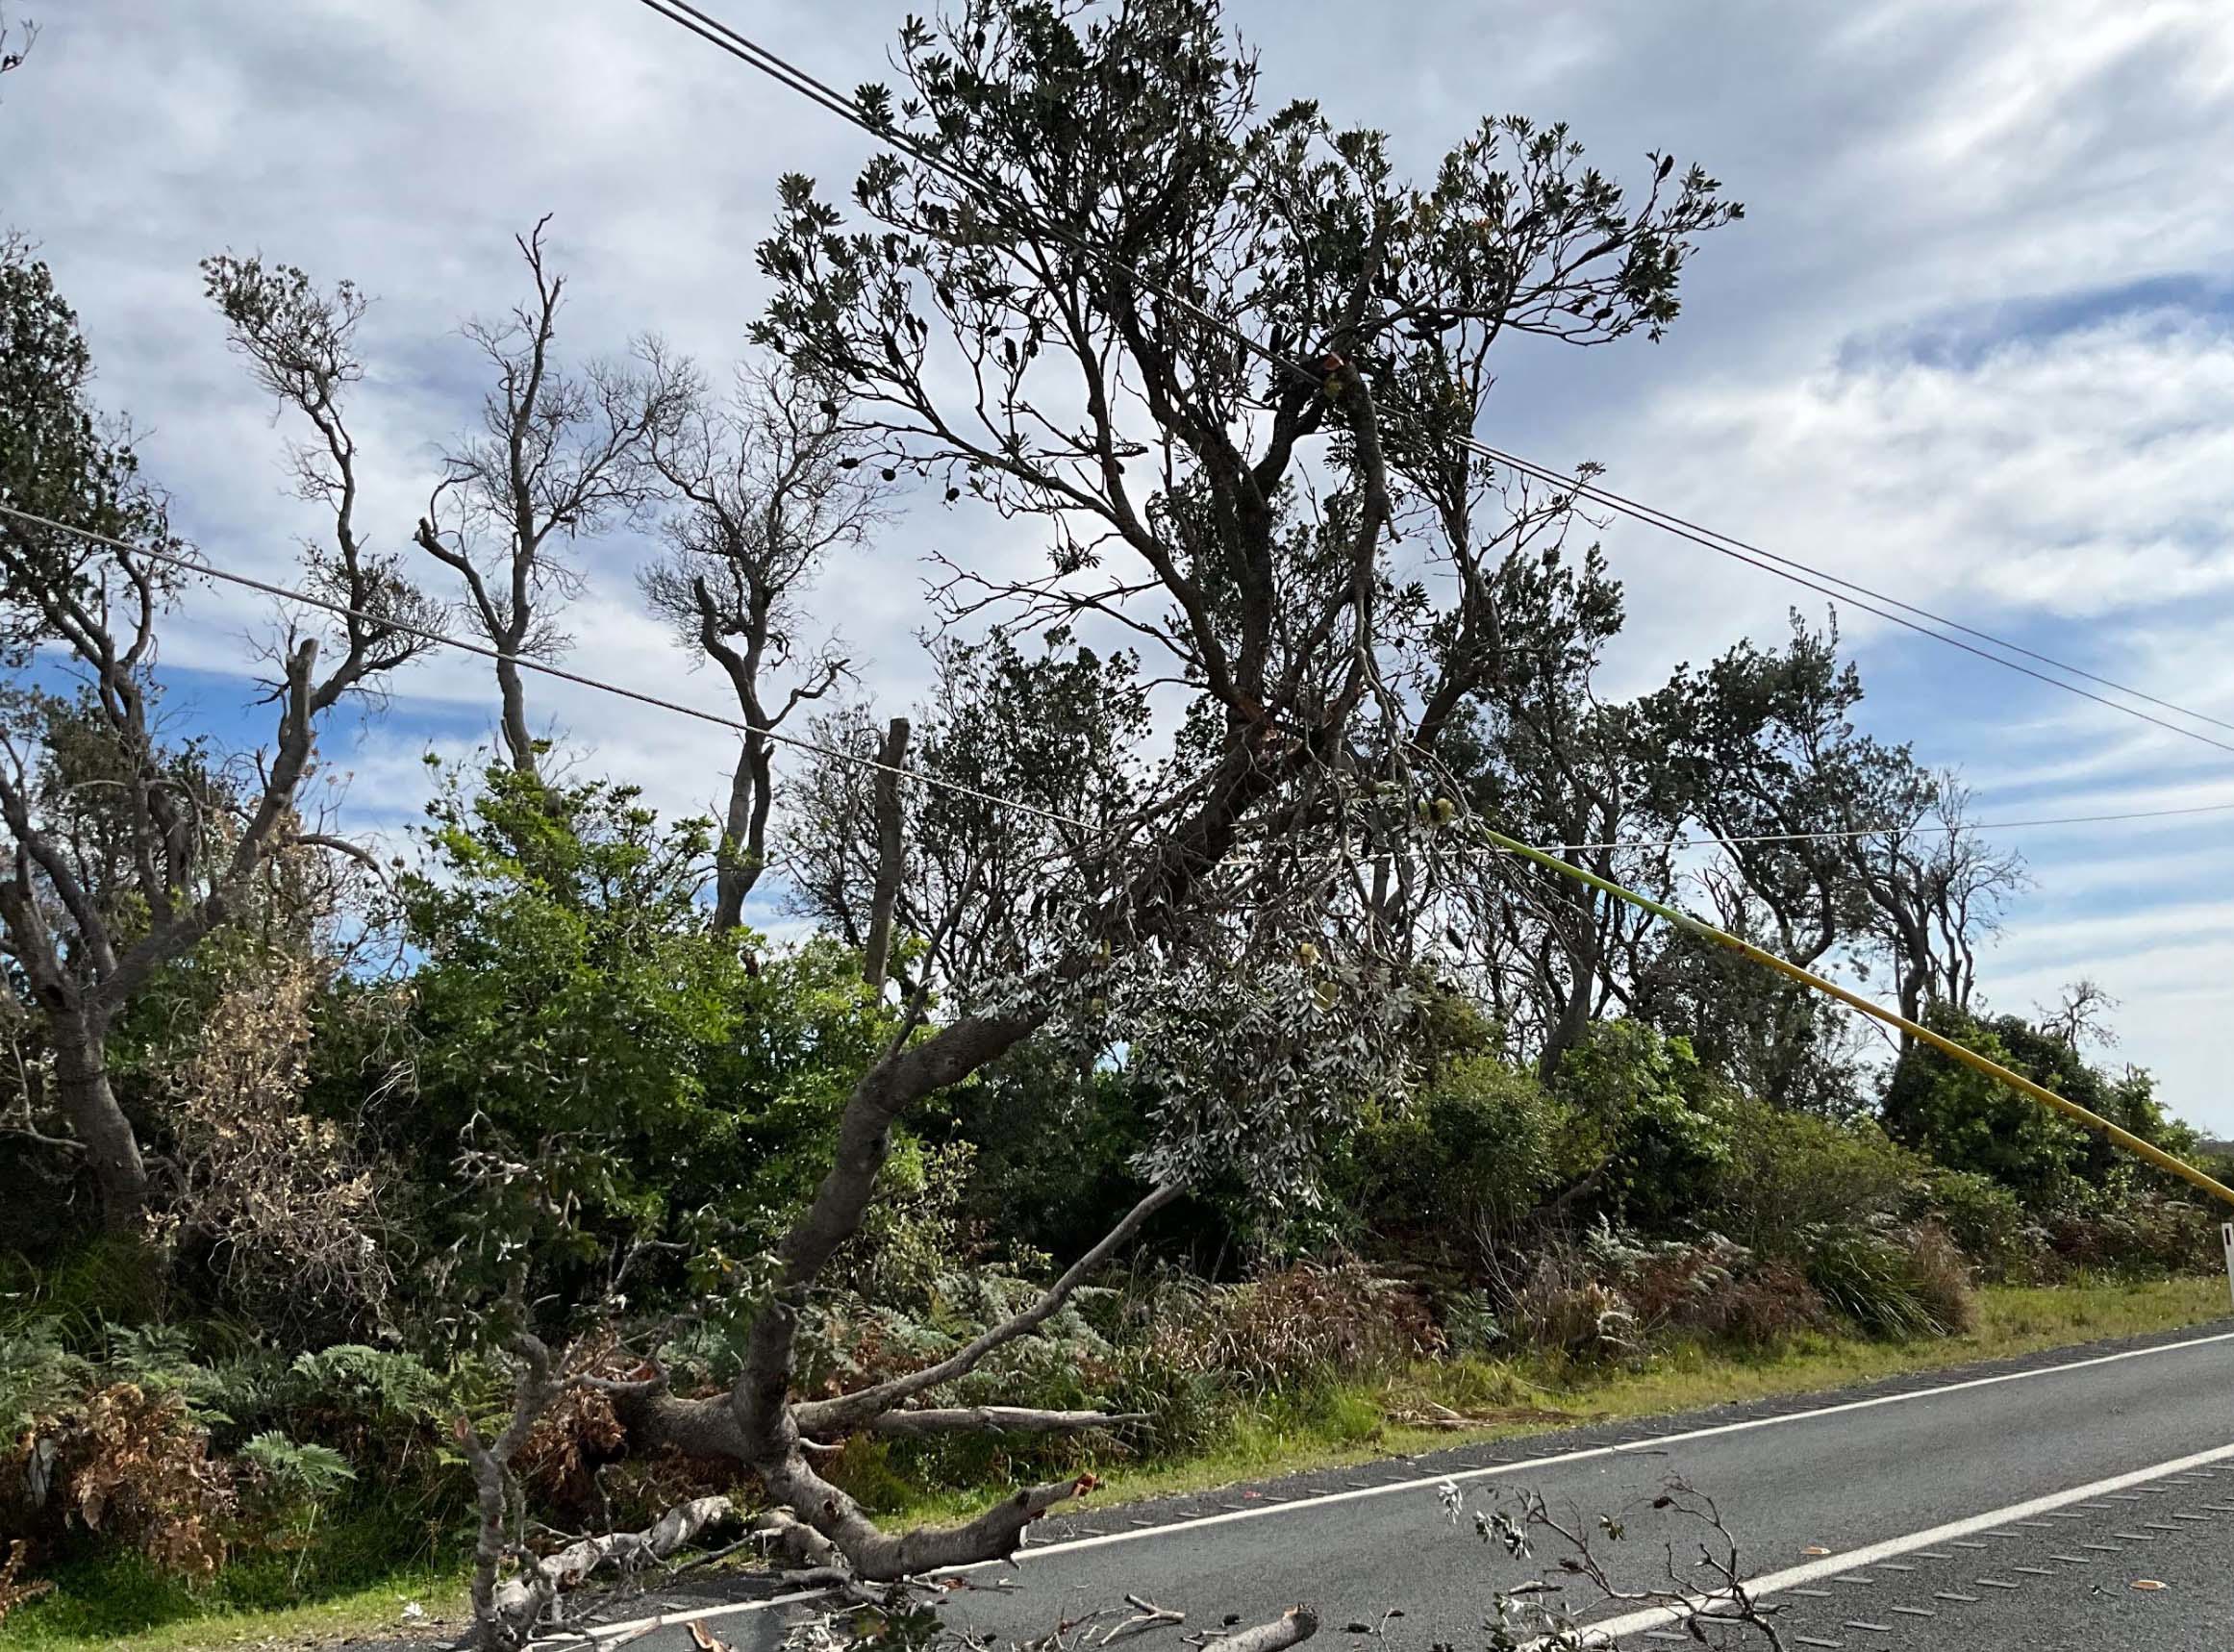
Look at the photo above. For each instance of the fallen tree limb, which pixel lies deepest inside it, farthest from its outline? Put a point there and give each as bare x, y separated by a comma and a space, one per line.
996, 1420
1146, 1614
878, 1556
519, 1603
1291, 1628
800, 1544
824, 1418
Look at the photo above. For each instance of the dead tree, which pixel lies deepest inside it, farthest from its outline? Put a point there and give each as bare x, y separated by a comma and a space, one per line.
560, 455
15, 41
124, 854
771, 486
1937, 888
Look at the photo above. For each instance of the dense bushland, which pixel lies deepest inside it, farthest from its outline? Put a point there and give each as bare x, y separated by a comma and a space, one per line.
1166, 1060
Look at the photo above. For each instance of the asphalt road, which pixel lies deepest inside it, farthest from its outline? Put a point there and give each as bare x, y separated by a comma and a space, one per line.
2005, 1505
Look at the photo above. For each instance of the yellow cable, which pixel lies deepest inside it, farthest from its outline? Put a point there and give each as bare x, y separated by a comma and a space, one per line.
1969, 1058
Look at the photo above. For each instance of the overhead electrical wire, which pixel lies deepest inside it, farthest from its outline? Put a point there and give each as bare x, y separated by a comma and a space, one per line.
344, 611
839, 754
768, 63
1670, 522
771, 63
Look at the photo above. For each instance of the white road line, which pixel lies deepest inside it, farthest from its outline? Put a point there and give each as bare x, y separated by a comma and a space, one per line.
1658, 1444
1659, 1617
1526, 1465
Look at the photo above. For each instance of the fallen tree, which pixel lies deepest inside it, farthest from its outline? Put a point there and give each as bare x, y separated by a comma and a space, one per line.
1040, 308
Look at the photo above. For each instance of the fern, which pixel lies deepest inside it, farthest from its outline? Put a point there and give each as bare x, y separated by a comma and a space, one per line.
373, 1382
15, 1588
312, 1473
39, 1379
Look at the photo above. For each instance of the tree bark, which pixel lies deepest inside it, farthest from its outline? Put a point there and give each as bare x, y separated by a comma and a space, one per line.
518, 742
87, 1098
520, 1604
889, 864
743, 851
1291, 1628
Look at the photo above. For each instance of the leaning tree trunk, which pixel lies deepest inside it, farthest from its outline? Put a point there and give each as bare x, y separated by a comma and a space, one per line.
87, 1099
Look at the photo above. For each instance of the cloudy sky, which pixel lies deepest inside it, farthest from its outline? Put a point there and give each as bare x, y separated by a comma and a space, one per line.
1974, 342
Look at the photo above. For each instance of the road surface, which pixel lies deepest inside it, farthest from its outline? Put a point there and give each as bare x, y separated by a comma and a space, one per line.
2005, 1505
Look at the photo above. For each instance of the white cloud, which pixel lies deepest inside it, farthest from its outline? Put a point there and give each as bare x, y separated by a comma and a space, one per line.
1900, 365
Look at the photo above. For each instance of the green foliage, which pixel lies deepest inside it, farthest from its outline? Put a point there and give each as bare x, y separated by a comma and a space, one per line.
1985, 1218
96, 1281
1054, 1148
1894, 1284
58, 458
1473, 1149
38, 1377
1791, 1173
589, 1066
296, 1471
371, 1382
2131, 1228
1967, 1121
1656, 1130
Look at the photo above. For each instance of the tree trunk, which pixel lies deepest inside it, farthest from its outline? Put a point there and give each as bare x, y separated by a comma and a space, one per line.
890, 866
519, 744
81, 1082
743, 851
1567, 1032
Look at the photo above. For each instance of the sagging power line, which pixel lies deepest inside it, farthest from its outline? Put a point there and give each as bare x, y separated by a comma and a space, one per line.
343, 611
748, 51
837, 754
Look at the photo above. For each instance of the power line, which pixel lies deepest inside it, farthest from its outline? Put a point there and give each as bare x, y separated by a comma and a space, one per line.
1682, 530
760, 58
1669, 521
344, 611
1711, 839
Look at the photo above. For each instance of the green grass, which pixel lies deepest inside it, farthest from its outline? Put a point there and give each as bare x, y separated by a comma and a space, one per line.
2012, 1320
122, 1604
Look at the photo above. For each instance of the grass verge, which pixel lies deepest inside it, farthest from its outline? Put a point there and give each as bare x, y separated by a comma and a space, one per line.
124, 1607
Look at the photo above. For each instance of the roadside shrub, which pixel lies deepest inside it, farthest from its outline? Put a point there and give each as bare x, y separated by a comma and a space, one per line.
1314, 1318
912, 1235
1476, 1147
1985, 1218
279, 1207
1770, 1304
2131, 1231
1674, 1284
1940, 1274
1709, 1287
1789, 1173
15, 1588
288, 1484
1648, 1127
1969, 1121
1895, 1283
1577, 1317
1164, 1330
1562, 1300
136, 1468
